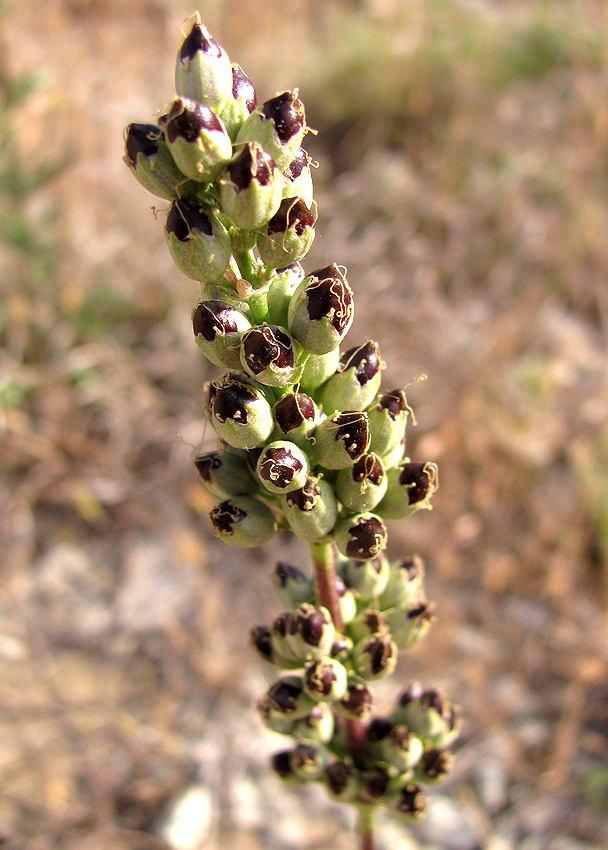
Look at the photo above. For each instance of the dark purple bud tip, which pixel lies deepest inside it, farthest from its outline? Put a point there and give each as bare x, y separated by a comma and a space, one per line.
422, 611
281, 764
375, 783
142, 139
420, 479
394, 401
242, 88
285, 573
225, 516
358, 699
412, 567
401, 737
306, 498
364, 360
184, 218
281, 623
211, 318
284, 696
187, 119
292, 213
260, 640
297, 165
435, 764
330, 297
381, 651
198, 39
293, 410
310, 622
353, 430
267, 346
434, 699
320, 678
304, 755
230, 401
368, 468
279, 467
411, 693
378, 729
338, 775
206, 463
251, 163
411, 801
367, 538
287, 112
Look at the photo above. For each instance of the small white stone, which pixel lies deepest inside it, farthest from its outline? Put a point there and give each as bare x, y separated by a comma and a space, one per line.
189, 819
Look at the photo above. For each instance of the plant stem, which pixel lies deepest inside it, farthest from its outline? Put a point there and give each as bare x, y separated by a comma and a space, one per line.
367, 827
325, 570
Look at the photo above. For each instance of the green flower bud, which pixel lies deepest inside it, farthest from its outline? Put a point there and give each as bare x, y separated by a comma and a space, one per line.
279, 638
358, 700
296, 416
260, 640
298, 178
387, 421
311, 512
394, 457
428, 714
309, 760
409, 489
272, 719
198, 241
434, 765
218, 329
325, 680
321, 310
250, 188
317, 726
282, 467
318, 369
288, 698
240, 414
375, 657
240, 103
405, 582
310, 632
147, 156
341, 440
347, 601
341, 781
268, 355
224, 474
409, 622
375, 784
395, 745
288, 235
368, 622
341, 649
367, 578
197, 139
409, 802
291, 586
243, 522
361, 537
363, 485
202, 69
283, 767
278, 126
356, 381
280, 289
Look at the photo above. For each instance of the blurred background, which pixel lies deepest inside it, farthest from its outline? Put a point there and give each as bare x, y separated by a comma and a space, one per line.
463, 181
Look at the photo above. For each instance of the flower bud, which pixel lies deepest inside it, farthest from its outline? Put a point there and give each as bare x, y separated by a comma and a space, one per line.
288, 235
296, 416
311, 512
361, 537
240, 414
428, 714
321, 310
287, 697
240, 103
273, 719
341, 649
395, 745
325, 680
341, 440
316, 726
409, 622
218, 329
358, 700
346, 601
279, 638
280, 289
434, 765
268, 355
367, 578
243, 522
278, 126
291, 586
387, 421
250, 188
298, 178
318, 368
375, 657
363, 485
409, 489
405, 582
356, 380
197, 139
202, 69
260, 640
224, 474
309, 760
409, 802
282, 467
368, 622
148, 157
281, 764
375, 784
310, 632
394, 457
198, 241
341, 781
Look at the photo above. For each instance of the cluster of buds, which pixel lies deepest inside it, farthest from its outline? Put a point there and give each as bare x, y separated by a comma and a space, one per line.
308, 440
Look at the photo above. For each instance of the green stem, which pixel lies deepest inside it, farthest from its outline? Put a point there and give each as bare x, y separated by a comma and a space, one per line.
366, 827
325, 571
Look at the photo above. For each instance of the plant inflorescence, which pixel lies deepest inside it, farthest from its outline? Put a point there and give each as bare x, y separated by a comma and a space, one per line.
308, 439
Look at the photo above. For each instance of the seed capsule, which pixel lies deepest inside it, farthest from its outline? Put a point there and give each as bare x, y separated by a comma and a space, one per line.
409, 622
341, 440
291, 586
308, 760
224, 474
387, 421
428, 714
240, 414
374, 785
375, 657
325, 680
310, 632
356, 380
298, 178
358, 700
296, 416
409, 802
311, 512
218, 330
280, 289
243, 522
198, 241
268, 355
434, 765
409, 489
250, 188
240, 103
288, 235
361, 537
341, 781
148, 157
287, 697
405, 582
197, 139
395, 745
321, 310
362, 486
278, 125
202, 69
318, 368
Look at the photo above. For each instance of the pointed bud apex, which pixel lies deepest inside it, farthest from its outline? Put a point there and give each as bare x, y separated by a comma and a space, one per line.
240, 414
268, 355
291, 586
361, 537
243, 522
198, 241
224, 474
341, 440
387, 421
288, 235
325, 680
409, 489
147, 155
218, 330
321, 310
202, 69
197, 139
356, 381
311, 512
363, 485
375, 657
278, 126
250, 188
240, 103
